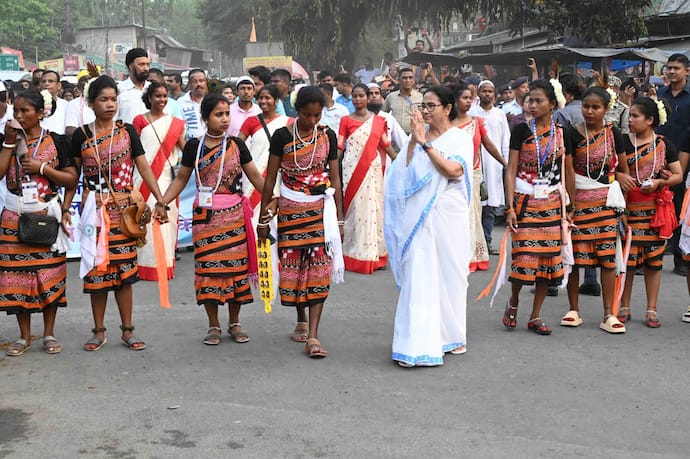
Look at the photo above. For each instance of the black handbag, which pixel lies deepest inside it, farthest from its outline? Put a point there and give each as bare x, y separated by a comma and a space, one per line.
36, 229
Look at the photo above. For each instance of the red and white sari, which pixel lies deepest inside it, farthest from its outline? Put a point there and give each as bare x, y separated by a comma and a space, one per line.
159, 140
364, 248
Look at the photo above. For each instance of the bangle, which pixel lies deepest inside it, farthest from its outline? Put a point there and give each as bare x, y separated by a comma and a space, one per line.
40, 169
8, 145
164, 206
509, 210
570, 207
66, 210
261, 225
341, 222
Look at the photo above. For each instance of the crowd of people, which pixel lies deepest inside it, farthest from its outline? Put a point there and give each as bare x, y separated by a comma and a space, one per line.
400, 168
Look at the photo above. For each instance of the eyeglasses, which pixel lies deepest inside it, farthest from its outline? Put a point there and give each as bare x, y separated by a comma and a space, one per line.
430, 107
49, 81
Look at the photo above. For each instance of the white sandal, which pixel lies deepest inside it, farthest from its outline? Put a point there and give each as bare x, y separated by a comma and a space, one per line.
686, 315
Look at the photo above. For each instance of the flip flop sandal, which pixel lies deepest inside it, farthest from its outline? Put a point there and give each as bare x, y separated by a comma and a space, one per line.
314, 350
213, 339
240, 336
459, 350
571, 319
301, 332
95, 344
612, 325
18, 348
51, 345
538, 326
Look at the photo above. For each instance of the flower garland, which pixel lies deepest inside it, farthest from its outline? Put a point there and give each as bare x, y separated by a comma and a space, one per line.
47, 102
558, 89
85, 92
614, 97
663, 116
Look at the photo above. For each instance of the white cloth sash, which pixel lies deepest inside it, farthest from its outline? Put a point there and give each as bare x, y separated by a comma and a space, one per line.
62, 242
614, 198
331, 231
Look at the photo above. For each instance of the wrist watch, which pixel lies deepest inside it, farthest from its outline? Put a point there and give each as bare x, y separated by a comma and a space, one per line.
427, 145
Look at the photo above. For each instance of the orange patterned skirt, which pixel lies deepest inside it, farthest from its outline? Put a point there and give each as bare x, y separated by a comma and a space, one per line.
32, 278
536, 246
594, 238
647, 248
221, 273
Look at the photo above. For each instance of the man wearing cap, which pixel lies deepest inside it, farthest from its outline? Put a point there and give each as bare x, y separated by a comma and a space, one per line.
129, 101
243, 107
498, 131
520, 87
619, 113
395, 132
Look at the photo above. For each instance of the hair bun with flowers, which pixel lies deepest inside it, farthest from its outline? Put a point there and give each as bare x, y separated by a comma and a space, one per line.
49, 104
614, 97
663, 116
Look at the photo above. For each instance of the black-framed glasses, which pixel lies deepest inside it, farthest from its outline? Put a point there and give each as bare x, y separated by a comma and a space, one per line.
428, 106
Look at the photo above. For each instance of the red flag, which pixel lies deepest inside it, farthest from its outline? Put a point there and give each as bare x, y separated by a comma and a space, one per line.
252, 34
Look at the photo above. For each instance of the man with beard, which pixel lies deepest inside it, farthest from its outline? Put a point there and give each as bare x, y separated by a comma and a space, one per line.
395, 132
129, 101
190, 103
244, 107
498, 131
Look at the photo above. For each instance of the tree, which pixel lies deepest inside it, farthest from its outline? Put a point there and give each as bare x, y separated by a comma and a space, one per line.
28, 25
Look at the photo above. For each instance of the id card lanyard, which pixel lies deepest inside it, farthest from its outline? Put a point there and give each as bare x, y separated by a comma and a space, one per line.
541, 183
30, 187
206, 192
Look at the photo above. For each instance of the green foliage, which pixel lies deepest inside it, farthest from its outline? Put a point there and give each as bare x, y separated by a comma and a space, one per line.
27, 25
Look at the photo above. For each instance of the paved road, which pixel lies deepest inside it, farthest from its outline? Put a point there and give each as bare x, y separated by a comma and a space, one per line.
576, 393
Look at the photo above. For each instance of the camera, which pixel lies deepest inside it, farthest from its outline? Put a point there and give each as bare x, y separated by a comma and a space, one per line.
414, 29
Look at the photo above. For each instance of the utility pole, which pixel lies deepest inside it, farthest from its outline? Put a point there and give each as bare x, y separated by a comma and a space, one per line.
143, 24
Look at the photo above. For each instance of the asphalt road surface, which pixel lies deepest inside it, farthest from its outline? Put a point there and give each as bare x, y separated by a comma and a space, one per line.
577, 393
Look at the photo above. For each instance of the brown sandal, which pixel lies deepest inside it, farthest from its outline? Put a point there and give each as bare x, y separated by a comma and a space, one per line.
314, 350
301, 332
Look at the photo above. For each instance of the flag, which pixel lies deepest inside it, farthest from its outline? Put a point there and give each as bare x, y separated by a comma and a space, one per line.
252, 34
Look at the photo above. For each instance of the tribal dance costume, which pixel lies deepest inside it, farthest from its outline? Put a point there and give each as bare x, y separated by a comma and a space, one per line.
32, 278
645, 162
536, 248
221, 251
305, 266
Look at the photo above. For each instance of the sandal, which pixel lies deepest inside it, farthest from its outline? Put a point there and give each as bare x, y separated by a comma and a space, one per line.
51, 345
652, 322
301, 332
405, 364
624, 315
538, 326
18, 348
213, 336
95, 343
238, 336
314, 350
510, 316
459, 350
686, 316
612, 325
132, 342
571, 319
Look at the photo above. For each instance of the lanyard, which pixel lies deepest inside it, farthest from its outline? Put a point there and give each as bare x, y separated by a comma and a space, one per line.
542, 158
200, 151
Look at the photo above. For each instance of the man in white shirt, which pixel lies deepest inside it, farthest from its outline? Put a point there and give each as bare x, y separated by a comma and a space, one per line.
395, 131
190, 103
244, 106
50, 81
497, 128
78, 111
332, 112
131, 90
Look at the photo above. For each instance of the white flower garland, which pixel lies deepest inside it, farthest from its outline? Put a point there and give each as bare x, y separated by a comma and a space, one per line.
85, 93
663, 116
47, 102
614, 97
558, 89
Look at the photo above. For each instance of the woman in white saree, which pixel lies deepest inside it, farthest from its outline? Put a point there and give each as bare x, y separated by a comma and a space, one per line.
426, 224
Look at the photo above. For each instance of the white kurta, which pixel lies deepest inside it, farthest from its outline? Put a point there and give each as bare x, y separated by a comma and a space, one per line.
497, 129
